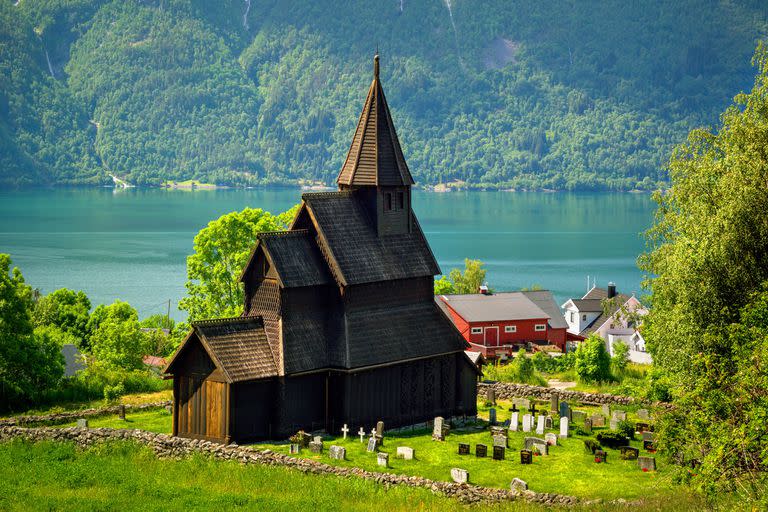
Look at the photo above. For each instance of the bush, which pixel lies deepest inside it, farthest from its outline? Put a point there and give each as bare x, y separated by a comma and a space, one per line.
520, 370
593, 363
626, 428
612, 439
591, 446
112, 393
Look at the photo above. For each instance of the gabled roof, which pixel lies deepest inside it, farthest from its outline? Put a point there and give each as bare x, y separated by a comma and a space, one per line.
355, 253
375, 156
237, 346
606, 309
545, 301
495, 307
587, 305
296, 258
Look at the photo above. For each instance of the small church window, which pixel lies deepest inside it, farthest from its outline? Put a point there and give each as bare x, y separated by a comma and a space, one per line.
400, 200
387, 202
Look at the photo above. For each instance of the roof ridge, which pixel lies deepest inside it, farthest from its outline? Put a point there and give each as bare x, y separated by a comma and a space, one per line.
282, 233
219, 321
323, 195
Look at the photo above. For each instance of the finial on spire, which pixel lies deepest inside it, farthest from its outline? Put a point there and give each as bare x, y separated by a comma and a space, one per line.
376, 63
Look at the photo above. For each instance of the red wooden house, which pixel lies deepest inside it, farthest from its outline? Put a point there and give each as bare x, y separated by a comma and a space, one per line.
502, 323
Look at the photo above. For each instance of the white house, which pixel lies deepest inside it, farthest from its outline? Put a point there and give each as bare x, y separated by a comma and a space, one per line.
610, 315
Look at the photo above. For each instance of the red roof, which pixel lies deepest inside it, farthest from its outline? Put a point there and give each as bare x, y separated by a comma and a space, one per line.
154, 361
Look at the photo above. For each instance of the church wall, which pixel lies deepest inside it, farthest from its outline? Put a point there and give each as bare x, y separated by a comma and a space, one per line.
390, 293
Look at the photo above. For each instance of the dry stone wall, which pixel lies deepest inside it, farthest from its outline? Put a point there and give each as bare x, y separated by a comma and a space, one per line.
508, 390
166, 446
64, 417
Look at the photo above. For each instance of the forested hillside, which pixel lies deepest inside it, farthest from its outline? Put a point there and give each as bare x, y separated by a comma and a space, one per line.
552, 94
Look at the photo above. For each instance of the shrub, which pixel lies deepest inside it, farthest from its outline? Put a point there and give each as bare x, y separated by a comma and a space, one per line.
112, 393
612, 439
591, 446
593, 363
626, 428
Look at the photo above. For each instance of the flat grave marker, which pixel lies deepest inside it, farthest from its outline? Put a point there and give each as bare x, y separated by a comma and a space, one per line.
481, 451
382, 459
463, 449
460, 476
498, 452
405, 452
337, 452
647, 463
526, 457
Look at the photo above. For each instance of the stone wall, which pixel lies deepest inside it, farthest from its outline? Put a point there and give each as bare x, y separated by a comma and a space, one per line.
508, 390
166, 446
67, 416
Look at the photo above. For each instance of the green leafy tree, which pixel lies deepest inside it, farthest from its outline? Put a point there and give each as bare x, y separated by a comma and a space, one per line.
443, 286
459, 282
29, 363
221, 252
593, 362
620, 358
118, 342
524, 367
67, 310
708, 263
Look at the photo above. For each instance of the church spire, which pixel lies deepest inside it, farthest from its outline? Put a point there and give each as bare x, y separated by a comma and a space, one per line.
375, 157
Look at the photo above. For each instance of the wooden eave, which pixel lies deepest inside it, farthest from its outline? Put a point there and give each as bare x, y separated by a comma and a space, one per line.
207, 349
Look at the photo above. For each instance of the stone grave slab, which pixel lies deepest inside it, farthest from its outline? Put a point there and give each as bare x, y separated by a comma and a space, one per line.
540, 426
337, 452
600, 456
527, 422
382, 459
82, 423
518, 485
481, 450
578, 416
647, 463
565, 410
537, 444
460, 476
372, 444
439, 429
548, 423
492, 416
564, 426
498, 452
643, 414
316, 447
629, 452
554, 402
463, 449
526, 457
606, 410
550, 438
513, 421
405, 452
598, 420
588, 425
294, 448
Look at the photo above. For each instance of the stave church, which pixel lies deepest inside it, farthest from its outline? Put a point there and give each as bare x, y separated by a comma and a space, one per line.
339, 324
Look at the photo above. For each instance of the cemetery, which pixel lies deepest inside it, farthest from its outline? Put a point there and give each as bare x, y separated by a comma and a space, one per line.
558, 459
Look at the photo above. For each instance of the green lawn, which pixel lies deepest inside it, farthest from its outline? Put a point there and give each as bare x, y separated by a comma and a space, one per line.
132, 399
567, 470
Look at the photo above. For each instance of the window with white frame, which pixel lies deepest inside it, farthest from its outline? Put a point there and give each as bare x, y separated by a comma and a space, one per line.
510, 328
477, 330
540, 327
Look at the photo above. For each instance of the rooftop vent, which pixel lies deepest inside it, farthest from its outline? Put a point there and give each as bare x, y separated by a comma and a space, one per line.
611, 290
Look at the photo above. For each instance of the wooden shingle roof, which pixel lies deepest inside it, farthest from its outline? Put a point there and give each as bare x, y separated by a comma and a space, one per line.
358, 255
296, 258
237, 346
375, 156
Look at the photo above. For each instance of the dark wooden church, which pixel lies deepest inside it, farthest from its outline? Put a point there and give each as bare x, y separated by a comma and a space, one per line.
340, 324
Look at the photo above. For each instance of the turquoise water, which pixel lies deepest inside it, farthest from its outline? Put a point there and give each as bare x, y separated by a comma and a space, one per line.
132, 244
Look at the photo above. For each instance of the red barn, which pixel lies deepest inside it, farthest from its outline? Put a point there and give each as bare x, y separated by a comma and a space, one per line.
501, 323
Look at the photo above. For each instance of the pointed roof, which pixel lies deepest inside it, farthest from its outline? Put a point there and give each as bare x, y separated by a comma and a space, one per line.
375, 157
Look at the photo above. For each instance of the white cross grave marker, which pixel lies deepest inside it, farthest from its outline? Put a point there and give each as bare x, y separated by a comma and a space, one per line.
361, 433
373, 432
345, 430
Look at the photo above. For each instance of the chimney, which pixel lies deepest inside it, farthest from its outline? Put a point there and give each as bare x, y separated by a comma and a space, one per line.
611, 290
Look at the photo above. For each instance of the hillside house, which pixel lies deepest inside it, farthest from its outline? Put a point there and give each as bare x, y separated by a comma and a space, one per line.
497, 324
610, 315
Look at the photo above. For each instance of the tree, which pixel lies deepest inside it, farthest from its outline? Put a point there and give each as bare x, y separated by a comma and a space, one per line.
29, 363
460, 282
620, 357
66, 309
593, 363
707, 265
221, 252
118, 342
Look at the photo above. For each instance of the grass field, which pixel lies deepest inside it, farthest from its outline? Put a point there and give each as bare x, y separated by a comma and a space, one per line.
567, 470
132, 399
124, 476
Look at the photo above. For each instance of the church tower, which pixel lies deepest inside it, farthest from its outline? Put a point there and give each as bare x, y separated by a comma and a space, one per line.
375, 168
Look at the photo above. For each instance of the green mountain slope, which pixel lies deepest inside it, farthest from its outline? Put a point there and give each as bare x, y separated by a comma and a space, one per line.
554, 94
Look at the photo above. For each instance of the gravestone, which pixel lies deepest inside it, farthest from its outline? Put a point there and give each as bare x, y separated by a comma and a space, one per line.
565, 411
513, 421
598, 420
405, 452
294, 448
361, 433
526, 457
460, 476
121, 412
498, 431
629, 452
82, 423
533, 410
647, 463
318, 439
648, 442
564, 426
554, 402
345, 430
492, 416
620, 415
337, 452
316, 446
606, 410
641, 427
643, 414
379, 429
614, 424
578, 416
500, 440
382, 459
498, 452
463, 449
600, 456
527, 422
587, 425
481, 450
548, 422
169, 409
439, 429
491, 396
550, 438
522, 403
648, 436
535, 444
371, 445
518, 485
540, 426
